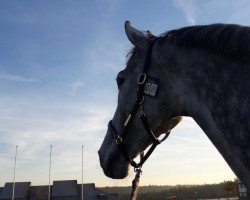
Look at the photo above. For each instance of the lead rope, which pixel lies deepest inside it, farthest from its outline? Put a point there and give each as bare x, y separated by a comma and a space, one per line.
136, 181
135, 184
138, 171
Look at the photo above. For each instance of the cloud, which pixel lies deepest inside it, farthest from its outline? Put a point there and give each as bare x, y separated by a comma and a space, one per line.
75, 86
76, 125
16, 78
189, 8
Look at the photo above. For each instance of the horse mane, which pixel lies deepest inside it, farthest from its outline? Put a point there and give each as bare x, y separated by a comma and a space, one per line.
231, 39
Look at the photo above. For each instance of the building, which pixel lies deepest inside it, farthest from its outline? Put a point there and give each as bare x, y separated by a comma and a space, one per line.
60, 190
65, 190
21, 191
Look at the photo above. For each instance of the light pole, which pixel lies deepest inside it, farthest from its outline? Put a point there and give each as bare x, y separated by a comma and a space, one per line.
14, 177
50, 153
82, 172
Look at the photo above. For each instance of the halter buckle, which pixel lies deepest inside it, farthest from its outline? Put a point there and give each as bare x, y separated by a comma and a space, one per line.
142, 78
118, 140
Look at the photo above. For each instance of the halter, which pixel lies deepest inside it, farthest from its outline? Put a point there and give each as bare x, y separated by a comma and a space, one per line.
145, 87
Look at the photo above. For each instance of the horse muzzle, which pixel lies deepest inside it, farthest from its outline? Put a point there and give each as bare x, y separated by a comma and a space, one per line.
112, 162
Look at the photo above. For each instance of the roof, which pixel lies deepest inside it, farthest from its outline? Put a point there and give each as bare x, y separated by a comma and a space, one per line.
64, 188
21, 190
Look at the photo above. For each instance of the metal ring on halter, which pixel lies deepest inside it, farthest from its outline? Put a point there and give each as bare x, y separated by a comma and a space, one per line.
136, 170
142, 78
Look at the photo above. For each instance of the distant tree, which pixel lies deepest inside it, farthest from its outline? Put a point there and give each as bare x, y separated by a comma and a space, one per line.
225, 189
231, 186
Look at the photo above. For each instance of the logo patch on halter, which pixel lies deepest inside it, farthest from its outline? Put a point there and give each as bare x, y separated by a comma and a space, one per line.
151, 86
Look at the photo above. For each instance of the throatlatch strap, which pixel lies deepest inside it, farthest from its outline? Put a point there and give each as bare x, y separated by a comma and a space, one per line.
144, 120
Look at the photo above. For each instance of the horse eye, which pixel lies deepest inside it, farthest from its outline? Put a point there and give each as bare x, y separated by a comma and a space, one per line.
119, 81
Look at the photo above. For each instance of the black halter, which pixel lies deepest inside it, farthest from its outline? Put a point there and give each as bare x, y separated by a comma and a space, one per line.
142, 79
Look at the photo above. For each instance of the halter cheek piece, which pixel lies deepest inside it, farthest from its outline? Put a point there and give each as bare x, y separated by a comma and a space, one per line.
146, 86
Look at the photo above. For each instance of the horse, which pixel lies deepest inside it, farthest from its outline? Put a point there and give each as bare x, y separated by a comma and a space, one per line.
199, 71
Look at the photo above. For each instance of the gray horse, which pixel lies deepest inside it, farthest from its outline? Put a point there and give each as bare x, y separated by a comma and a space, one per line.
204, 73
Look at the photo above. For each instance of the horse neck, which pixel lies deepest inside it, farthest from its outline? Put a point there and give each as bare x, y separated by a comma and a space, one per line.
216, 93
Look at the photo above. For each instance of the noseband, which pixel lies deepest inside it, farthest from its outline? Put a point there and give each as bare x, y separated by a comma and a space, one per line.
142, 90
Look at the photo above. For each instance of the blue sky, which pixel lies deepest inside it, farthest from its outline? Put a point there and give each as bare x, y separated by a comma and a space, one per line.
58, 63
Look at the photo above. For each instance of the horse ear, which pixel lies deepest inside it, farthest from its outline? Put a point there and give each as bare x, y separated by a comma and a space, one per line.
136, 37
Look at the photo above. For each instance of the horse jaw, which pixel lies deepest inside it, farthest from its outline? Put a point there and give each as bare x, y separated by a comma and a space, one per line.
168, 125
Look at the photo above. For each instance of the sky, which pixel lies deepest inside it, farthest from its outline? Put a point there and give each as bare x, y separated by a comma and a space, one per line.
58, 63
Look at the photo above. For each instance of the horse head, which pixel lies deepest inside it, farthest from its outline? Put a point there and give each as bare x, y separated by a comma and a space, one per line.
160, 108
